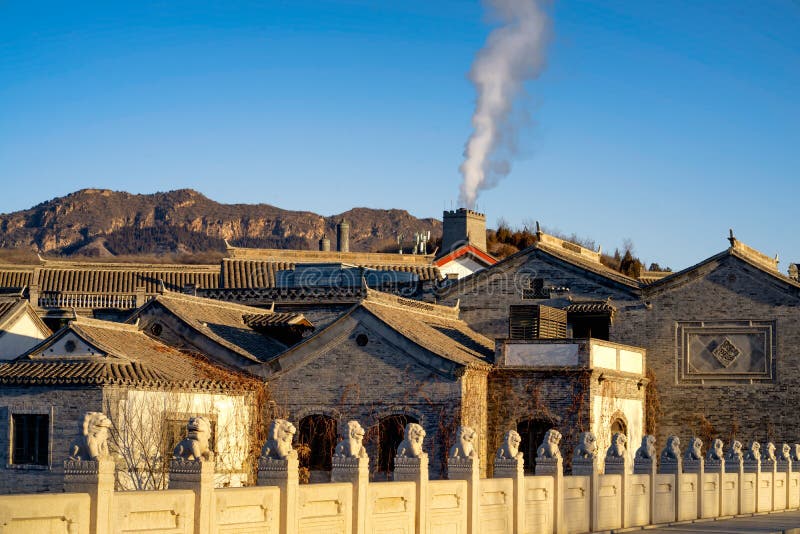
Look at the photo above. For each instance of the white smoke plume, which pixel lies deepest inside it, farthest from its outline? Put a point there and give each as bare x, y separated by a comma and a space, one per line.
513, 53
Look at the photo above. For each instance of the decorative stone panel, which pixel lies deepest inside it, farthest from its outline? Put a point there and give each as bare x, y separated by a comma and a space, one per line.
710, 352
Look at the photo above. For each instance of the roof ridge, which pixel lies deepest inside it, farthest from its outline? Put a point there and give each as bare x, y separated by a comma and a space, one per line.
81, 320
214, 303
412, 305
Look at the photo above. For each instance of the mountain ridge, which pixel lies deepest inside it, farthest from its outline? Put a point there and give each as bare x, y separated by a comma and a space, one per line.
102, 222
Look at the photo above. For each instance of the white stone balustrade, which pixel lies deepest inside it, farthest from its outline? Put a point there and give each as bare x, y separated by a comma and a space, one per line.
687, 487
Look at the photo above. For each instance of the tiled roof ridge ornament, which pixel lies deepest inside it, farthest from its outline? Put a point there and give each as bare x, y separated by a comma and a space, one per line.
731, 237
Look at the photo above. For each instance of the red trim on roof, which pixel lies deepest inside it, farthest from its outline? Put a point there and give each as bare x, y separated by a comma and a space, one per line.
461, 251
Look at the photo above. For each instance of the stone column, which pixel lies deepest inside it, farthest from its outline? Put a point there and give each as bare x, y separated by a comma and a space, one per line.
617, 463
463, 464
415, 470
715, 463
549, 462
784, 465
411, 465
694, 463
198, 476
95, 477
671, 464
350, 463
734, 463
356, 472
770, 465
644, 463
284, 474
752, 464
514, 468
587, 467
278, 466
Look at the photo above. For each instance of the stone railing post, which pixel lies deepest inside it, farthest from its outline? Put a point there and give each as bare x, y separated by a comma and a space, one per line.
734, 463
550, 463
672, 464
587, 467
509, 463
784, 465
752, 464
196, 475
95, 477
715, 463
464, 464
693, 462
645, 463
90, 469
278, 466
770, 464
411, 465
617, 463
350, 463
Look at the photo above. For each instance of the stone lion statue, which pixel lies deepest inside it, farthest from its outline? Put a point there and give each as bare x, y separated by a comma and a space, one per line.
617, 448
279, 440
735, 453
411, 446
510, 447
463, 447
695, 449
195, 446
672, 451
549, 446
795, 452
587, 446
353, 445
753, 453
715, 453
93, 442
647, 450
770, 454
786, 453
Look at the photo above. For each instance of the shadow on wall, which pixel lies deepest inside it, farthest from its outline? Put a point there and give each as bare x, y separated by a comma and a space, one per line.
13, 345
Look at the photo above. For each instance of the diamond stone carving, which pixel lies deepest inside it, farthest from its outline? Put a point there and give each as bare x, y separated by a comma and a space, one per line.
726, 352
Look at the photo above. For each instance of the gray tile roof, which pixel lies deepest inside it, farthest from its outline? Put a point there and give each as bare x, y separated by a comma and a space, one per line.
433, 327
127, 357
224, 323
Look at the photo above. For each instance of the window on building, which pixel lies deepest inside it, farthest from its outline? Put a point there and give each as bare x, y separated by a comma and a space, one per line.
532, 432
534, 289
318, 433
30, 442
590, 325
390, 434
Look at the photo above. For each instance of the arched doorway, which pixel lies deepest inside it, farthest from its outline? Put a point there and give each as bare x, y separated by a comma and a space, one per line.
532, 432
318, 433
618, 425
390, 434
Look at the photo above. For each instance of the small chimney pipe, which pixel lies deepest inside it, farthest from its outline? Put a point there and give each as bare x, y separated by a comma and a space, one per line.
343, 236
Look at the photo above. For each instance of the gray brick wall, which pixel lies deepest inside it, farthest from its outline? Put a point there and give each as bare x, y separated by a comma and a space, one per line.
67, 407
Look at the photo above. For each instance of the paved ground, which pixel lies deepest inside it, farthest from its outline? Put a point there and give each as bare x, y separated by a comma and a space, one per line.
779, 523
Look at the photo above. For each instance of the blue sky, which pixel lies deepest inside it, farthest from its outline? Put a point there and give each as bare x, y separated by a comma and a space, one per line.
662, 122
